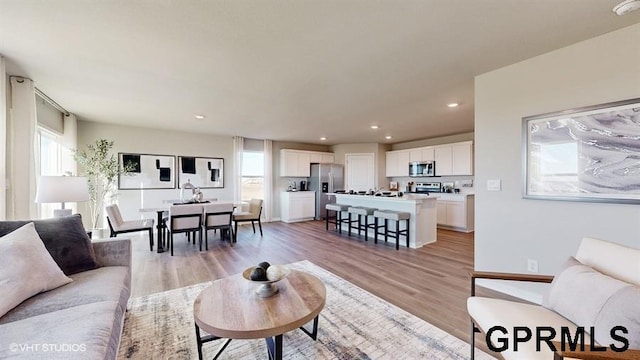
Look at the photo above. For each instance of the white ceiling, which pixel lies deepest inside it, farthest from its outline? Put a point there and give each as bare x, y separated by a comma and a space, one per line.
281, 69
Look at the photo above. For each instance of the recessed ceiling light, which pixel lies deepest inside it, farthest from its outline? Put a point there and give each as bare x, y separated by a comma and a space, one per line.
388, 137
323, 138
374, 127
200, 117
452, 105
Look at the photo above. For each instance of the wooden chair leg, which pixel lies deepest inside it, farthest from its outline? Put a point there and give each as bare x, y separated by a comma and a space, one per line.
206, 239
236, 228
260, 226
386, 230
171, 241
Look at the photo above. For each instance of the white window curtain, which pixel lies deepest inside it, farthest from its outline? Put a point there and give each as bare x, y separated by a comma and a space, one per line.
268, 180
238, 149
3, 139
22, 151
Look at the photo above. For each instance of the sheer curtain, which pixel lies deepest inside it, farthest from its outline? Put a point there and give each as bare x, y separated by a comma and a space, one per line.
22, 151
3, 139
268, 180
238, 149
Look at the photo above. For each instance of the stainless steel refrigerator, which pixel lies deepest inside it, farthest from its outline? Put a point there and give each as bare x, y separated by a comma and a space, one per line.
325, 178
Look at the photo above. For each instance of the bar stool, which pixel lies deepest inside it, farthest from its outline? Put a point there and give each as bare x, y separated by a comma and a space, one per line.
396, 216
337, 218
360, 211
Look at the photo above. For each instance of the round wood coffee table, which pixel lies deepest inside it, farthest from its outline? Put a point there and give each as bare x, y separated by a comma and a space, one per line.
230, 309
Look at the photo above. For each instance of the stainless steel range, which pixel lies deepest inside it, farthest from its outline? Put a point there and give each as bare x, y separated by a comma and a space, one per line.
428, 187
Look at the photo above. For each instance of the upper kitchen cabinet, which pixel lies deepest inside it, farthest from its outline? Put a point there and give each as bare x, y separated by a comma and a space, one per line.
454, 159
462, 157
444, 160
421, 154
451, 159
398, 163
296, 163
321, 158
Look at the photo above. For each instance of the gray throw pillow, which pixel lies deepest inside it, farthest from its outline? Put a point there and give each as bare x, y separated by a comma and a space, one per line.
589, 298
66, 240
622, 309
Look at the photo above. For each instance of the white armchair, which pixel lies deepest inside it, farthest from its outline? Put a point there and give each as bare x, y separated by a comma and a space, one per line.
119, 226
598, 290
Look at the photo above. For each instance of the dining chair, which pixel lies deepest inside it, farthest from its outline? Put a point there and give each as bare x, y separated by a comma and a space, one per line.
218, 216
253, 215
119, 226
185, 219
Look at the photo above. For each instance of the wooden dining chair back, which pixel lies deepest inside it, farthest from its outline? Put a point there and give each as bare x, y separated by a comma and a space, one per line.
185, 219
119, 226
253, 215
218, 216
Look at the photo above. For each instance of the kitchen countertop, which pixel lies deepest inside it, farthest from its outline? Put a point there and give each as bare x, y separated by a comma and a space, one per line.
406, 197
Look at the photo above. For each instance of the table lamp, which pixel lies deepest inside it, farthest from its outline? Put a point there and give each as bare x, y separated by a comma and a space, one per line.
53, 189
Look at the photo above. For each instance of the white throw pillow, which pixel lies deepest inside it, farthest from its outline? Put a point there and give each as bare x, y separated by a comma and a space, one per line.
26, 268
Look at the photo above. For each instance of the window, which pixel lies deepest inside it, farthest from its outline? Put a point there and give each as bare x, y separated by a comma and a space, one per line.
50, 164
252, 175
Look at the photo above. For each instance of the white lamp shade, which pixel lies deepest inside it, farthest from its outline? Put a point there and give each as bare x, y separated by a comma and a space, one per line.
61, 189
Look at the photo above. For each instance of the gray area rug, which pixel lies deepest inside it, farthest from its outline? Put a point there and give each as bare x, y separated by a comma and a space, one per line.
354, 324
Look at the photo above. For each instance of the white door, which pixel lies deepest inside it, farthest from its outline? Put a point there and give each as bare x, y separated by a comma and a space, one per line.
360, 172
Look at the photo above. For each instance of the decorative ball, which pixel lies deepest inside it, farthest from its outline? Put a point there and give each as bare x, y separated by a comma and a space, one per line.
276, 272
258, 274
265, 265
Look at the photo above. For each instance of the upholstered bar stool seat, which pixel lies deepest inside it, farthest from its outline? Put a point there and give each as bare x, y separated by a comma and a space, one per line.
336, 219
396, 216
360, 211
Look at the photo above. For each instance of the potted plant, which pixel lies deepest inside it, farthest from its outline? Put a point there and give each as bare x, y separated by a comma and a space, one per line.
101, 168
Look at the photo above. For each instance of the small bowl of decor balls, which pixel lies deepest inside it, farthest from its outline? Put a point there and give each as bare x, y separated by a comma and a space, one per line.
266, 275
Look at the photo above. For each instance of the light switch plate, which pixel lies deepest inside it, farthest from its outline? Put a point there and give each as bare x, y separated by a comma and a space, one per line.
494, 185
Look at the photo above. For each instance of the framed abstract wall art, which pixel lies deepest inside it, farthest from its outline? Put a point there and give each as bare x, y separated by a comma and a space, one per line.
149, 171
585, 154
202, 172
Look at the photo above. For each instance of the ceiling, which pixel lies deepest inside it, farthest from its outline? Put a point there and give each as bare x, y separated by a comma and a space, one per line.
285, 70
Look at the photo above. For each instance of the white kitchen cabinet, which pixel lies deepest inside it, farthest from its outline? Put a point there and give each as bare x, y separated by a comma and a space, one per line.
455, 212
444, 160
321, 157
428, 154
398, 163
294, 163
454, 159
462, 158
297, 206
451, 159
304, 164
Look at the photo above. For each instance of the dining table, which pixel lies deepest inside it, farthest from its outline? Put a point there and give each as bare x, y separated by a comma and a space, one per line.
163, 211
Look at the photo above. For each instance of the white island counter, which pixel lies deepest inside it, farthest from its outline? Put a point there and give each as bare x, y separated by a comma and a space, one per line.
422, 208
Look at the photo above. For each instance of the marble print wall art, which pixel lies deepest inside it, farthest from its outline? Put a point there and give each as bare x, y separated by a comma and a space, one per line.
587, 154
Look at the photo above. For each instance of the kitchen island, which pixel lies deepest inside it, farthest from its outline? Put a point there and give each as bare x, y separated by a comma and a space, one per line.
422, 208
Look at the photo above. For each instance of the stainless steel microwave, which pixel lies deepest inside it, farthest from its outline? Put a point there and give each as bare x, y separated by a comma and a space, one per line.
422, 168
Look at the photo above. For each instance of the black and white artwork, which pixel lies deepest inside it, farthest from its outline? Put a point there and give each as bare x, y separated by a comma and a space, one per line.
149, 171
202, 172
587, 154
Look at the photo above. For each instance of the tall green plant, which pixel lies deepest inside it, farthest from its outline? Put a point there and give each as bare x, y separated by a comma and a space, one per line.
101, 168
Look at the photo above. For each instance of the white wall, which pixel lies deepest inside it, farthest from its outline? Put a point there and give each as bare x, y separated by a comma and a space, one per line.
509, 229
162, 142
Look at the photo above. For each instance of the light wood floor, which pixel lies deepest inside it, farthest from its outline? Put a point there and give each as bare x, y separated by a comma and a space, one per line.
431, 282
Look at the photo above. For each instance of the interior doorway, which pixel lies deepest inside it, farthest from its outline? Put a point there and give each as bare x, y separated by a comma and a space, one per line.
360, 171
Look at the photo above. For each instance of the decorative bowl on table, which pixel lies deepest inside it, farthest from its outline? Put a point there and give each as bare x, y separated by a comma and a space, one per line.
266, 276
